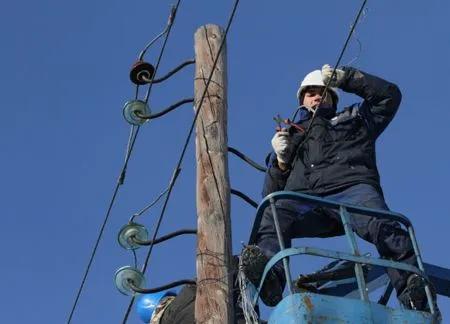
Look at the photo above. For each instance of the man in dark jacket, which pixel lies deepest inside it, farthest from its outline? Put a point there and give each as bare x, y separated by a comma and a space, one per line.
332, 155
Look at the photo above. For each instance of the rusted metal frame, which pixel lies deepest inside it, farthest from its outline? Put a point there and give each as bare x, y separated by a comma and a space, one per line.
345, 217
281, 243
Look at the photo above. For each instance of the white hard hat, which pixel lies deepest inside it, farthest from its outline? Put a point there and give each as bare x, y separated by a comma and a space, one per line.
314, 78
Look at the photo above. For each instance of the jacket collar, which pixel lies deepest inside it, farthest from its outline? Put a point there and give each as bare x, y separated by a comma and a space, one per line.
305, 114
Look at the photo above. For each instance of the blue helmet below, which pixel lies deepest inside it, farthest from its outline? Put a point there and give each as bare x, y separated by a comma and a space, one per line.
148, 302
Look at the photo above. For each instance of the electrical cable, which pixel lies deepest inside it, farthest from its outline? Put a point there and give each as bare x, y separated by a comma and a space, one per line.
148, 206
102, 228
169, 74
178, 167
165, 111
166, 29
120, 181
343, 49
246, 159
250, 201
334, 70
169, 23
360, 46
164, 238
134, 130
169, 28
160, 288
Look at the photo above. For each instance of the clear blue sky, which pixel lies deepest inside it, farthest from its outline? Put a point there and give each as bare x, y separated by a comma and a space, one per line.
64, 79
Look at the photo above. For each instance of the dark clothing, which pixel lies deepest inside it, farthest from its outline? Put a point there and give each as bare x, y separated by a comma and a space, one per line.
299, 220
339, 152
182, 309
336, 160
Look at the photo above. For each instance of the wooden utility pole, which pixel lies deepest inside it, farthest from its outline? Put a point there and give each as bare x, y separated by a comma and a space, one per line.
214, 301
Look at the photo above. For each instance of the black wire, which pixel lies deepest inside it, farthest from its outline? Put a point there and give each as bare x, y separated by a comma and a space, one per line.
247, 159
165, 111
161, 288
121, 177
245, 197
134, 258
344, 48
178, 169
174, 11
169, 23
169, 74
161, 239
131, 220
334, 70
142, 53
97, 242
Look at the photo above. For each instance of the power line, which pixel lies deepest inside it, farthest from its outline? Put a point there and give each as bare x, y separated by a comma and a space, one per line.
130, 146
169, 28
345, 46
102, 228
178, 167
363, 4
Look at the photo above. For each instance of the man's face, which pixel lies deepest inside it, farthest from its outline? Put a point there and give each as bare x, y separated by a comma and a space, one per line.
313, 95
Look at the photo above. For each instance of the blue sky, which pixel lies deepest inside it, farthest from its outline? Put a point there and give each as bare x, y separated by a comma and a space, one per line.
64, 79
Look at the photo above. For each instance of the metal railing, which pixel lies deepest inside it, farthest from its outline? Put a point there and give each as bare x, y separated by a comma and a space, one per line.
355, 256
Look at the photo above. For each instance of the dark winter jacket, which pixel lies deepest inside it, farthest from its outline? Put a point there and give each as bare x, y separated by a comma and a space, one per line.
339, 149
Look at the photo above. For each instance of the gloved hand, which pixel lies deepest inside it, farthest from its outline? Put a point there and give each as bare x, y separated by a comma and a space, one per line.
281, 143
338, 76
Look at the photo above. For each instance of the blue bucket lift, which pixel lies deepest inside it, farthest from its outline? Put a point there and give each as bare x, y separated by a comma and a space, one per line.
332, 298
